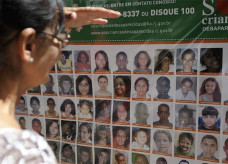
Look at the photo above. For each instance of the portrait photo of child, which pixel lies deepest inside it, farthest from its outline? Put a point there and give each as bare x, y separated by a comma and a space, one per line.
138, 158
82, 61
66, 85
121, 137
102, 135
103, 110
121, 112
185, 117
85, 109
50, 87
140, 139
85, 133
64, 65
104, 83
84, 154
120, 157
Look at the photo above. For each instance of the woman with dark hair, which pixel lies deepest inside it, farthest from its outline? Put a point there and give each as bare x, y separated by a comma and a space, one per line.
210, 91
82, 63
101, 61
68, 109
142, 62
84, 86
165, 58
31, 39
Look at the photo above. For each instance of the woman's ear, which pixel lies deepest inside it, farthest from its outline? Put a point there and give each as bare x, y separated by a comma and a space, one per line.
26, 44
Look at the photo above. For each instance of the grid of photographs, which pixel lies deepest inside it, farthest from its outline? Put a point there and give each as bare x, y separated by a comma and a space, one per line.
152, 105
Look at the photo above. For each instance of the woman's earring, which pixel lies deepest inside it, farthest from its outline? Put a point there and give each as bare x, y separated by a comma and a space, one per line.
31, 60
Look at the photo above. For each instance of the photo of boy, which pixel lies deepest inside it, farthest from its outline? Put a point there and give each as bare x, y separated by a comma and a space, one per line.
209, 120
103, 110
163, 86
21, 108
140, 158
121, 62
163, 114
37, 126
50, 88
68, 130
102, 156
163, 142
51, 112
84, 155
102, 135
35, 105
66, 85
225, 149
85, 133
209, 146
185, 145
186, 88
141, 114
140, 139
65, 63
120, 157
85, 110
121, 137
103, 91
185, 117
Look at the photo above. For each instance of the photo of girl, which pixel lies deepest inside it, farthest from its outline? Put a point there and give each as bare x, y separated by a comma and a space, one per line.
103, 83
184, 146
163, 142
66, 85
84, 86
64, 65
102, 63
68, 153
140, 139
35, 105
141, 89
122, 87
103, 110
82, 64
210, 91
121, 137
85, 133
86, 110
21, 108
164, 62
52, 129
186, 61
141, 114
67, 109
142, 62
121, 112
102, 135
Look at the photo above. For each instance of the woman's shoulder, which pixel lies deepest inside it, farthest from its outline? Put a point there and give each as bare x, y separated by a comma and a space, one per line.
23, 145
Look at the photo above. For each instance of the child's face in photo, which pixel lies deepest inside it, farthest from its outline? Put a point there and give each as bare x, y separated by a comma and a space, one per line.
121, 112
84, 87
141, 114
209, 147
187, 61
121, 160
120, 87
54, 129
210, 87
83, 58
84, 135
211, 61
120, 137
141, 138
84, 156
49, 85
36, 126
51, 104
141, 88
22, 123
184, 118
100, 61
162, 142
140, 160
163, 88
185, 144
186, 87
85, 109
68, 108
209, 121
103, 157
62, 58
66, 129
165, 61
35, 105
225, 148
68, 152
143, 60
102, 134
21, 104
163, 113
103, 83
121, 62
66, 85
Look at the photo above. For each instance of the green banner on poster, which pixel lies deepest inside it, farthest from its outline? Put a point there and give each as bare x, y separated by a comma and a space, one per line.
157, 20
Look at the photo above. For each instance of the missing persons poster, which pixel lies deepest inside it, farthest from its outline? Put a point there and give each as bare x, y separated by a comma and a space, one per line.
149, 87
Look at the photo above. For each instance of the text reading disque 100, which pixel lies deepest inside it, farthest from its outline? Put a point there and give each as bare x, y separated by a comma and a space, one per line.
159, 12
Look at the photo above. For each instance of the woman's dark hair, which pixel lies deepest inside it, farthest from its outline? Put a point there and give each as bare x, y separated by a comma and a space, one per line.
161, 56
65, 102
18, 15
84, 53
65, 78
216, 93
50, 122
136, 62
79, 80
103, 53
144, 79
126, 106
127, 82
